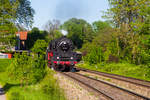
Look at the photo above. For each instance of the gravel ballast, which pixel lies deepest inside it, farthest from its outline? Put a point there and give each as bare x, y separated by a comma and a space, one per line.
74, 91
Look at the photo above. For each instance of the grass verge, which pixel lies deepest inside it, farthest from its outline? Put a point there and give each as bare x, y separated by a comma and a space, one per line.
124, 69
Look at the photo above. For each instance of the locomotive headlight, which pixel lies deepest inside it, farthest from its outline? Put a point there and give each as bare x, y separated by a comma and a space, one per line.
57, 57
71, 58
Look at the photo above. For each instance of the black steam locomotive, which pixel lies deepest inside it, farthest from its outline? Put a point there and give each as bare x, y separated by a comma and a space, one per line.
60, 54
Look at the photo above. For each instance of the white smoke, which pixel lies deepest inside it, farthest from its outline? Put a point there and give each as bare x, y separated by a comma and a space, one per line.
64, 32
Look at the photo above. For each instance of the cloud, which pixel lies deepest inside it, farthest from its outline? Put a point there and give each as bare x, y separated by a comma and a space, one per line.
69, 8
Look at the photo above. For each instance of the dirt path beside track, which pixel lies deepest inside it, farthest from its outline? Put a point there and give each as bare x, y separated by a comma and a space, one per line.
2, 96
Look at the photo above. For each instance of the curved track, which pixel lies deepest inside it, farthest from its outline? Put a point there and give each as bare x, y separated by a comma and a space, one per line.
135, 81
87, 86
135, 85
107, 90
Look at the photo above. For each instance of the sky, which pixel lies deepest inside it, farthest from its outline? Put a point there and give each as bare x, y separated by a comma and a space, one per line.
89, 10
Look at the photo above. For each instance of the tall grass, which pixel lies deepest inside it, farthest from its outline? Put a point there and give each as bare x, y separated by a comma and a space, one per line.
125, 69
4, 63
46, 89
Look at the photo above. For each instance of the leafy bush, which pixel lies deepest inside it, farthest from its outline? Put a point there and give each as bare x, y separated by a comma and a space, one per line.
46, 89
95, 55
16, 96
27, 69
50, 87
4, 63
39, 47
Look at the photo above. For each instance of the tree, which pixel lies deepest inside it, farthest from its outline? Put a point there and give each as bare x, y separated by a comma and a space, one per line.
79, 31
13, 12
145, 28
99, 26
25, 13
27, 69
7, 27
94, 53
53, 29
40, 47
128, 14
16, 12
131, 18
34, 35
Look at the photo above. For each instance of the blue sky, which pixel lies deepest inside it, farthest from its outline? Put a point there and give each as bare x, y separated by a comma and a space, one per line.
89, 10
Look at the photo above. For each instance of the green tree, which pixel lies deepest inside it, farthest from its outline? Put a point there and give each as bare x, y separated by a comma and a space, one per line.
12, 13
131, 17
145, 28
99, 26
94, 55
53, 29
7, 27
128, 14
34, 35
26, 69
144, 55
40, 47
25, 13
79, 31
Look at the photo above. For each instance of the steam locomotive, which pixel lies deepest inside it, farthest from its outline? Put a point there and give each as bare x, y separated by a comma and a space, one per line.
60, 54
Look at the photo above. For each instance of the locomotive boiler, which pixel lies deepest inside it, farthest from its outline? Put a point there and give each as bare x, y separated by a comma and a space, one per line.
60, 54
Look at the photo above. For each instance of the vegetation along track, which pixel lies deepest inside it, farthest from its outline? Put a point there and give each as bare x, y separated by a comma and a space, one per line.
105, 90
136, 85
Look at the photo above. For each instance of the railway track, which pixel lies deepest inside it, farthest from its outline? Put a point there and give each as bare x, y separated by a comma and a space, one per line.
118, 77
135, 85
106, 91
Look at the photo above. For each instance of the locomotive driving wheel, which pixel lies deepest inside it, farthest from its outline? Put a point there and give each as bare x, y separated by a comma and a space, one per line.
58, 67
61, 67
68, 68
